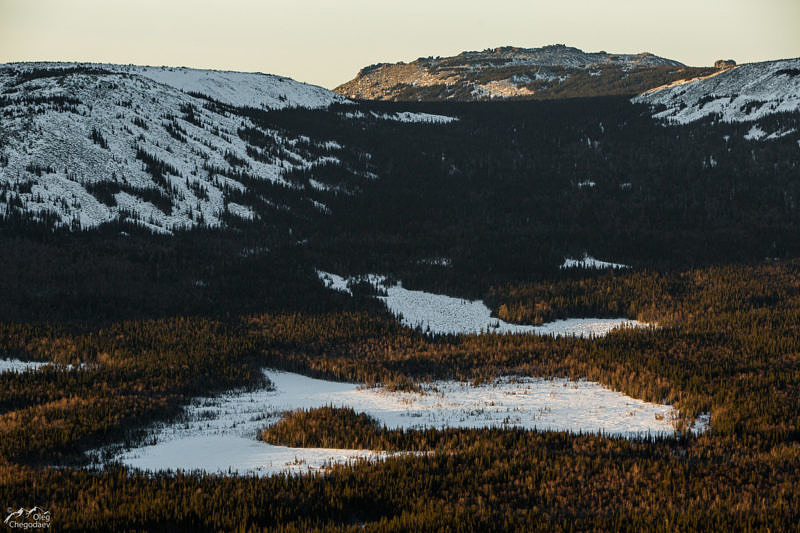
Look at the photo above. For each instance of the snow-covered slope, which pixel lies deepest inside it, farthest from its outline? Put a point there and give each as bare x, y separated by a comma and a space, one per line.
241, 89
745, 93
80, 146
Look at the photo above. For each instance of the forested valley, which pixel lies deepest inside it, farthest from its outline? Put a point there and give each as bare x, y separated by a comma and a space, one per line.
486, 207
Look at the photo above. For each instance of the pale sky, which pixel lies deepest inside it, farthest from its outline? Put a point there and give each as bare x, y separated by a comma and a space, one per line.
327, 42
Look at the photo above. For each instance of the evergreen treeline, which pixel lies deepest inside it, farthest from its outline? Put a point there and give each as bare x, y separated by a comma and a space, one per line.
491, 480
132, 373
727, 342
120, 272
501, 191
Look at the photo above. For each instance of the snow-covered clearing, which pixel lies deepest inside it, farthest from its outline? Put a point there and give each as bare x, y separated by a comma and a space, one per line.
15, 365
334, 282
220, 434
442, 314
755, 133
234, 454
590, 262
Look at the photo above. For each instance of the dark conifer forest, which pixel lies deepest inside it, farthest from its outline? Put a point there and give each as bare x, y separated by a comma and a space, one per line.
708, 220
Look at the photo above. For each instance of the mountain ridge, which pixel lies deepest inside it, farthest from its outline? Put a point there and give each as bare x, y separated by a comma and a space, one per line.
554, 71
171, 149
251, 89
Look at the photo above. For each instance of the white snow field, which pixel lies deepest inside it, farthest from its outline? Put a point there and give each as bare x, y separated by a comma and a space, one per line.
220, 434
73, 144
590, 262
744, 93
234, 454
442, 314
15, 365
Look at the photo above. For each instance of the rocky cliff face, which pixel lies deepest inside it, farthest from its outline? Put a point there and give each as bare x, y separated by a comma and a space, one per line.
556, 71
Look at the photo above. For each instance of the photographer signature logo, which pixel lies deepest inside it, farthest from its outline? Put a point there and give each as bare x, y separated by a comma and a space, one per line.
33, 518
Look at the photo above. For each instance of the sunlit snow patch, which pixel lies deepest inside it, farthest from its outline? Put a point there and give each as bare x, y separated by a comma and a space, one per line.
440, 314
701, 424
15, 365
234, 454
552, 404
220, 434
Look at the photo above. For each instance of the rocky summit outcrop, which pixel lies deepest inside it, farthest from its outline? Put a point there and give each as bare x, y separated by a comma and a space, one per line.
556, 71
